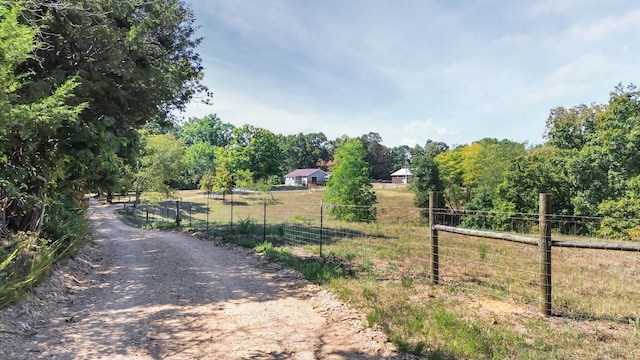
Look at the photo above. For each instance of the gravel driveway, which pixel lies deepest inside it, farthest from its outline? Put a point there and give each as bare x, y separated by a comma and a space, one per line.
141, 294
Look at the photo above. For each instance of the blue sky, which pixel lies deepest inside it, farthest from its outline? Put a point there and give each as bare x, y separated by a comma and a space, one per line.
453, 71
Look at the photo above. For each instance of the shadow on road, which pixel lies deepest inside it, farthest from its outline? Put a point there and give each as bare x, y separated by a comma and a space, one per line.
162, 295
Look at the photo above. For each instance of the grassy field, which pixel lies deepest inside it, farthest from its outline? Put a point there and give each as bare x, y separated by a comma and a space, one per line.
487, 303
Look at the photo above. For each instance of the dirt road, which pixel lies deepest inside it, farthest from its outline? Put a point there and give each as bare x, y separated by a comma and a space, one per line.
138, 294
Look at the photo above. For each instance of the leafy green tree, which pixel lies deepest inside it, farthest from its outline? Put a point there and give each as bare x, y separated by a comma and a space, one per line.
621, 215
378, 156
199, 158
31, 160
493, 160
541, 170
568, 128
223, 181
435, 148
135, 63
349, 189
209, 129
303, 151
416, 151
255, 150
427, 179
609, 159
400, 157
160, 165
335, 144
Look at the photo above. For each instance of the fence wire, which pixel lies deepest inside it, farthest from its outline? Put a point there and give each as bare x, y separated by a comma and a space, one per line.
586, 283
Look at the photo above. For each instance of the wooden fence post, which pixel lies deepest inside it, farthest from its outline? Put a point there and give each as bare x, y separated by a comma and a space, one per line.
433, 203
232, 212
264, 219
545, 253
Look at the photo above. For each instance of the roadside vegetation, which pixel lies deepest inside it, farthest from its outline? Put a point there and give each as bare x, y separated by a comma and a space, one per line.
68, 74
68, 128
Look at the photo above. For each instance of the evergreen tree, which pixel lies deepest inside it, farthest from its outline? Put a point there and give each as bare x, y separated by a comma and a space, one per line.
32, 159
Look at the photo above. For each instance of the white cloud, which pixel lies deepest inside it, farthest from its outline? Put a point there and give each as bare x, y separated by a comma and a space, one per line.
607, 27
427, 127
421, 126
573, 79
370, 65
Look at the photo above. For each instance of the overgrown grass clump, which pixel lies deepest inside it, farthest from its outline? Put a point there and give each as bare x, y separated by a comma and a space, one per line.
25, 261
26, 258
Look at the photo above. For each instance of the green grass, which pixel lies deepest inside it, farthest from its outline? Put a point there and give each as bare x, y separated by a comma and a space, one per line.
263, 246
246, 226
487, 305
26, 261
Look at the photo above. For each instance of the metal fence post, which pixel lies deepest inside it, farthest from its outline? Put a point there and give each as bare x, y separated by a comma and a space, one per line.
545, 253
232, 212
435, 271
264, 222
321, 218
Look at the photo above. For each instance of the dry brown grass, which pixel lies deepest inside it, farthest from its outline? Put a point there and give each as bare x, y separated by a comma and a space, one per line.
490, 284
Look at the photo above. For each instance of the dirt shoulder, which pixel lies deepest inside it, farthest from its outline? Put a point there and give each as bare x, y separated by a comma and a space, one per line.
145, 294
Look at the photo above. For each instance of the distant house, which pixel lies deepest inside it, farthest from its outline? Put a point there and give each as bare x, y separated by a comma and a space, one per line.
402, 176
306, 177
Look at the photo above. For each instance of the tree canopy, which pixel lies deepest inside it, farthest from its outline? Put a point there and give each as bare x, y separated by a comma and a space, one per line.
134, 63
79, 79
32, 158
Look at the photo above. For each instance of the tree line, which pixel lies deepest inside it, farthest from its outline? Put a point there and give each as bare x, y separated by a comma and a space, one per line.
589, 162
90, 89
206, 152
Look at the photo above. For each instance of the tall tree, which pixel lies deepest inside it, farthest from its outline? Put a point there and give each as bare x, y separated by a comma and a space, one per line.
302, 151
400, 157
416, 151
349, 188
427, 179
378, 156
31, 159
542, 169
610, 157
160, 166
134, 61
435, 148
199, 158
256, 150
569, 128
209, 129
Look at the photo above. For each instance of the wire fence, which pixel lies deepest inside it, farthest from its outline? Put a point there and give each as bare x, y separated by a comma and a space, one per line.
488, 254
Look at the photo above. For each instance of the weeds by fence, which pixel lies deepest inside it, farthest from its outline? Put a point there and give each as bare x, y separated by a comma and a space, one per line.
586, 281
